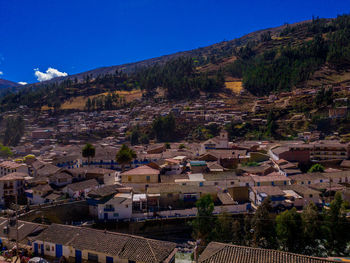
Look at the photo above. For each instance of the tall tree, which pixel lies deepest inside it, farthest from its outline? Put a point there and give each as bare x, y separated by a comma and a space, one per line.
223, 229
88, 152
289, 230
312, 230
124, 156
263, 226
236, 230
338, 225
204, 222
14, 130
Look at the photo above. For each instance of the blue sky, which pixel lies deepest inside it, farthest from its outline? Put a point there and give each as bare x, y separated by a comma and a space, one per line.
73, 36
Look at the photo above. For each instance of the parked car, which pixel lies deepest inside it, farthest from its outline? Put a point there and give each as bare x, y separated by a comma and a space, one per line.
37, 260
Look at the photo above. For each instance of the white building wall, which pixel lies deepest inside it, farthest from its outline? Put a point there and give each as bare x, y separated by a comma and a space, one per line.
121, 211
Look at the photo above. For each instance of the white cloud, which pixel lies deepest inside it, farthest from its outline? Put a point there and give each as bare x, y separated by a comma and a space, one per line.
49, 74
22, 83
1, 73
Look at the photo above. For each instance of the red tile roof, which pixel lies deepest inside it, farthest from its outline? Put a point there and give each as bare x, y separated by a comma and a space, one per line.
225, 253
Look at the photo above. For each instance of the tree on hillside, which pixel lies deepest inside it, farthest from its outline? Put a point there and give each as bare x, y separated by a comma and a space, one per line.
164, 128
144, 139
134, 137
271, 124
14, 130
88, 104
88, 152
124, 156
5, 151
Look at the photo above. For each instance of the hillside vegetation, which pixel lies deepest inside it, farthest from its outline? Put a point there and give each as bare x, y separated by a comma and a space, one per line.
311, 53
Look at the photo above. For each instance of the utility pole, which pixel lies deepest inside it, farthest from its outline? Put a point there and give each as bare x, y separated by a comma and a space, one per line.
16, 226
330, 189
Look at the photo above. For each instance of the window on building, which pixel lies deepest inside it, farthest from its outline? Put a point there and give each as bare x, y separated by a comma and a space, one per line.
108, 207
92, 257
47, 247
129, 178
148, 178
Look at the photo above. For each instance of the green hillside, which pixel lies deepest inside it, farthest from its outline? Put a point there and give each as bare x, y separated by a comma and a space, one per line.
310, 53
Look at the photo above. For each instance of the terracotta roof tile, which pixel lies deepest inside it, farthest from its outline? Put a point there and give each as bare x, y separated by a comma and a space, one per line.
225, 253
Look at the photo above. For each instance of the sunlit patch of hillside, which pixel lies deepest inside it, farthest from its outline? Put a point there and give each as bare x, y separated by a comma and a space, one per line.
235, 86
78, 103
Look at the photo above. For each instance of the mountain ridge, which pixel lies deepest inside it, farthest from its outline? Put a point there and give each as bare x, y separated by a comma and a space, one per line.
132, 66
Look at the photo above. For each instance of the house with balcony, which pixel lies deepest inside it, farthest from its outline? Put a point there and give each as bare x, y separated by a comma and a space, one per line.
110, 202
7, 167
11, 185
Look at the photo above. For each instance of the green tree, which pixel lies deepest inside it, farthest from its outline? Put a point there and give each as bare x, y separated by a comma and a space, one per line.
311, 229
263, 226
134, 137
289, 230
5, 151
204, 223
271, 124
338, 225
167, 145
236, 230
223, 228
164, 128
248, 230
88, 104
316, 168
14, 130
144, 139
124, 156
88, 152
